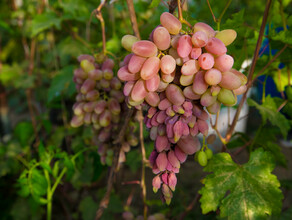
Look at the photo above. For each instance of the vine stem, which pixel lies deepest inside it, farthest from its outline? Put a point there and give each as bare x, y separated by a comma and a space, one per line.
251, 71
139, 115
180, 15
99, 16
218, 20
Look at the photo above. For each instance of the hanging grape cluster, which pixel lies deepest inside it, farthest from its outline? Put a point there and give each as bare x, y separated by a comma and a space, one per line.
99, 103
178, 77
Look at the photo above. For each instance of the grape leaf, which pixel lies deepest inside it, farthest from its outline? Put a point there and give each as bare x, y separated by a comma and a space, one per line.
247, 191
154, 3
44, 21
268, 110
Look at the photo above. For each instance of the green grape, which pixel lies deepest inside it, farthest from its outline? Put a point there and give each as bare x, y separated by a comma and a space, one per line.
209, 153
202, 158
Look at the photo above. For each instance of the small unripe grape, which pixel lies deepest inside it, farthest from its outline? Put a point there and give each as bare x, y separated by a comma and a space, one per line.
226, 36
202, 158
227, 97
128, 41
209, 153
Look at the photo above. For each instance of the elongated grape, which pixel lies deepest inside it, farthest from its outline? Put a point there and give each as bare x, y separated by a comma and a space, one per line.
114, 106
167, 64
213, 76
87, 86
216, 47
206, 61
164, 104
128, 41
135, 64
227, 97
174, 94
100, 106
128, 87
186, 80
161, 38
95, 74
78, 108
139, 91
199, 85
240, 75
170, 22
207, 99
105, 118
200, 26
240, 90
80, 73
125, 75
189, 93
189, 144
77, 121
173, 159
144, 48
224, 62
161, 161
126, 60
199, 39
190, 67
203, 127
168, 78
152, 99
150, 68
92, 95
195, 53
230, 81
153, 83
226, 36
161, 143
184, 46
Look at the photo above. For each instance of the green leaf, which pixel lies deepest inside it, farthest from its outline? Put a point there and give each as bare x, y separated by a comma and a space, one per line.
154, 3
56, 169
246, 191
268, 110
46, 166
38, 183
70, 166
45, 21
62, 82
23, 132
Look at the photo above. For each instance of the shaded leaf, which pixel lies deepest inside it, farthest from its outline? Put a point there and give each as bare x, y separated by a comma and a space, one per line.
44, 21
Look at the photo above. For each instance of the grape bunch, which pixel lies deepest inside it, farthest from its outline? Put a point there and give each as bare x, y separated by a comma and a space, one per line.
178, 75
99, 103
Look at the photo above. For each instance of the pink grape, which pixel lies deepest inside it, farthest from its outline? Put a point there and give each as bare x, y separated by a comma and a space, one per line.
77, 121
240, 75
161, 38
189, 93
215, 90
156, 183
100, 106
89, 106
161, 161
87, 86
213, 76
135, 64
167, 64
184, 46
199, 85
114, 106
190, 67
189, 145
203, 127
206, 61
230, 81
105, 118
168, 78
107, 64
95, 74
78, 108
172, 181
153, 83
186, 80
195, 53
173, 52
173, 159
200, 26
164, 104
152, 99
80, 73
224, 62
144, 48
174, 94
128, 87
240, 90
162, 86
161, 143
139, 91
214, 108
125, 75
199, 39
216, 47
207, 99
181, 156
92, 95
150, 68
170, 22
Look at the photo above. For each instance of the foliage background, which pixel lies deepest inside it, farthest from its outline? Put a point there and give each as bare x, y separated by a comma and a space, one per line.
39, 44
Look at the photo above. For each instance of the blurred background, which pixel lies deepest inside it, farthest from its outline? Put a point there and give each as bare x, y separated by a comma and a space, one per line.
39, 43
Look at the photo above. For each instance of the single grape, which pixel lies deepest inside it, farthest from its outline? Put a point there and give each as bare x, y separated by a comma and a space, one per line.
202, 158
